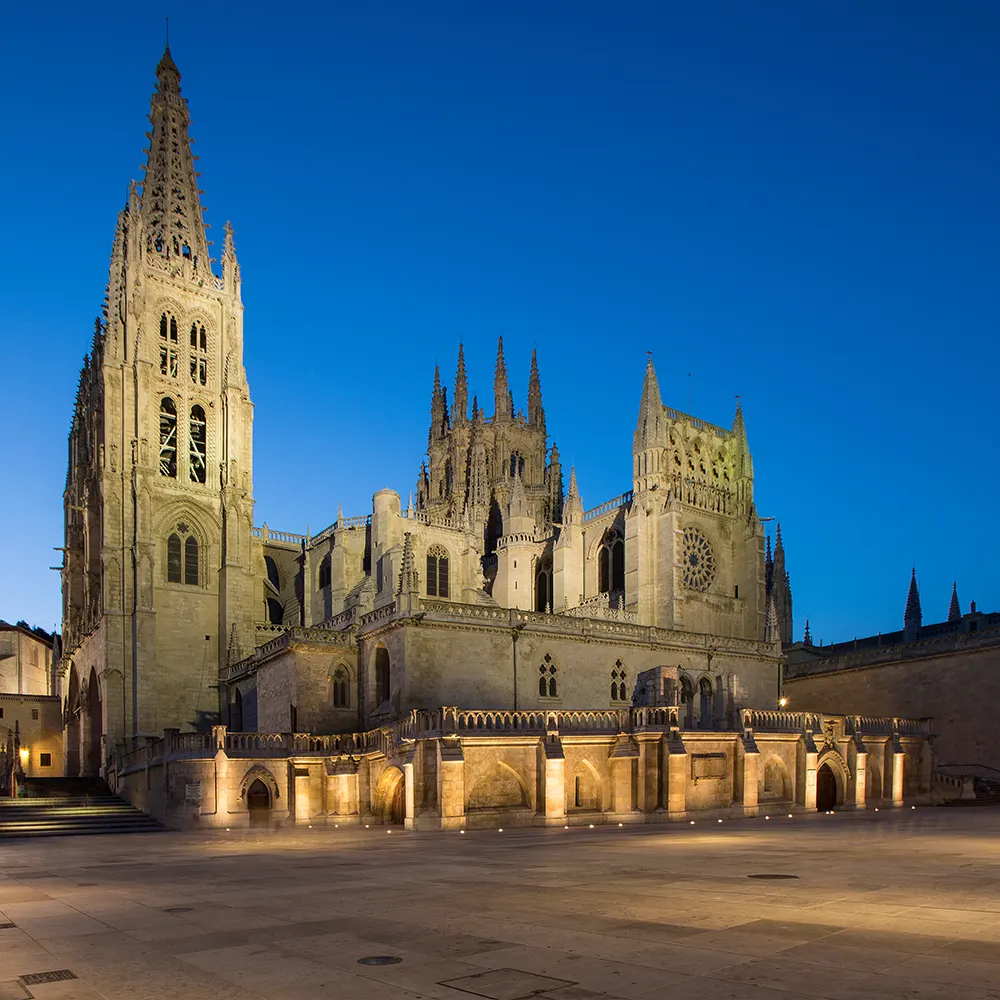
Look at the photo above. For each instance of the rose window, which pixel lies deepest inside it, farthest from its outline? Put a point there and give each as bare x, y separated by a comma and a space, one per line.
698, 560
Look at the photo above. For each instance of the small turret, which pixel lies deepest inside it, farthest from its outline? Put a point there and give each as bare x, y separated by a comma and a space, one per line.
647, 442
460, 400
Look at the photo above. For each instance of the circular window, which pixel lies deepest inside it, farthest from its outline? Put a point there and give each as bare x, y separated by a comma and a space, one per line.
698, 560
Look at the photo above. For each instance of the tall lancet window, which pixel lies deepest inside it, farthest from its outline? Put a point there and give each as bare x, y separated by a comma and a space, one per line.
197, 450
199, 354
168, 438
168, 346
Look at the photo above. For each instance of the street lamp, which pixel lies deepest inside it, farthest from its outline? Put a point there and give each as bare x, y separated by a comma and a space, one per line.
782, 702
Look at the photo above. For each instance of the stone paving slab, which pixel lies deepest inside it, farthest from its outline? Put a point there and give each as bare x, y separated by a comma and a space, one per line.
897, 905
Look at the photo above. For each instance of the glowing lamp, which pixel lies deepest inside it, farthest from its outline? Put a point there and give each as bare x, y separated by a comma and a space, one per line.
782, 702
25, 756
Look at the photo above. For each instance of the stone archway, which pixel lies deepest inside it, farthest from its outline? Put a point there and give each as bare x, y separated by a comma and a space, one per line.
93, 726
72, 716
390, 797
259, 804
826, 788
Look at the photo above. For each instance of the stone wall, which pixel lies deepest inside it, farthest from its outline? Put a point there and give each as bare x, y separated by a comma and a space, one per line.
39, 721
450, 769
959, 688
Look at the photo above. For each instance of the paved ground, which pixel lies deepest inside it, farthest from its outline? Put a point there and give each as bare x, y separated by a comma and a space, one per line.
885, 906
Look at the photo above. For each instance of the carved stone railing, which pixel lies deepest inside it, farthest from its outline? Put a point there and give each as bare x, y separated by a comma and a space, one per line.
483, 612
266, 534
698, 494
258, 743
656, 717
697, 423
336, 623
380, 614
598, 608
423, 517
870, 725
622, 500
775, 721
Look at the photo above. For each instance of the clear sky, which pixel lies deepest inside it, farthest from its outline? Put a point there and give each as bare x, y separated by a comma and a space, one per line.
797, 206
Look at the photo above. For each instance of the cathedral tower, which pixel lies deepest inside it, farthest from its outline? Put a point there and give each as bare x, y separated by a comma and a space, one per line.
158, 575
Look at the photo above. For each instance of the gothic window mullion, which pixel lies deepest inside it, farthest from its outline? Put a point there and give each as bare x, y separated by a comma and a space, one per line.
168, 439
197, 446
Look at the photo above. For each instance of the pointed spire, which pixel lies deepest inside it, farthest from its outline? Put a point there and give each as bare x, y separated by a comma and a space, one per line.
171, 206
771, 622
650, 410
408, 591
536, 413
439, 408
954, 609
230, 266
475, 408
460, 405
573, 508
807, 637
501, 394
912, 616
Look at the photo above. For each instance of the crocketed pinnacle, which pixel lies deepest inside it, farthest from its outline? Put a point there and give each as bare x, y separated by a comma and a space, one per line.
171, 206
460, 400
518, 506
912, 616
536, 413
954, 609
501, 394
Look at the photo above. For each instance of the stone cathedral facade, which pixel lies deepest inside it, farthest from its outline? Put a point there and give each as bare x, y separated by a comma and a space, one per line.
492, 589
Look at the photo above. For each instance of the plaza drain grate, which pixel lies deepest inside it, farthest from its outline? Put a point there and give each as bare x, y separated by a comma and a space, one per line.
178, 909
37, 978
774, 875
380, 960
6, 925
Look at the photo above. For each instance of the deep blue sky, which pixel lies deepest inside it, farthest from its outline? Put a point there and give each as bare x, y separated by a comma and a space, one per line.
799, 207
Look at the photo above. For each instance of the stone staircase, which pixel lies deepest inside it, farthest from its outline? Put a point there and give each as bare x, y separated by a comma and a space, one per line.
62, 807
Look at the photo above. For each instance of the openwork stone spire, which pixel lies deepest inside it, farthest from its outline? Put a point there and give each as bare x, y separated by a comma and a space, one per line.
171, 209
460, 401
536, 413
501, 394
650, 410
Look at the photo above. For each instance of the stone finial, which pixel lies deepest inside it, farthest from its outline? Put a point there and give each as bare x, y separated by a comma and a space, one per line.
807, 637
460, 399
536, 413
501, 394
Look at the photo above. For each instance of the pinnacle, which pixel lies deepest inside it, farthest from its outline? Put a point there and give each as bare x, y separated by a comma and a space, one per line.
954, 608
912, 615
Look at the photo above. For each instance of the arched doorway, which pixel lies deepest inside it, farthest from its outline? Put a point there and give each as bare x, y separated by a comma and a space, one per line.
259, 805
94, 726
826, 788
390, 797
72, 717
873, 784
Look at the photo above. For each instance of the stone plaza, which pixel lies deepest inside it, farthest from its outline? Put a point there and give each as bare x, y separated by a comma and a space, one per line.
870, 906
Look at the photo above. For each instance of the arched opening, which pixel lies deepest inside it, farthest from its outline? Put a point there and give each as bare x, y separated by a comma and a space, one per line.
548, 671
687, 701
586, 790
272, 572
390, 797
340, 688
275, 612
611, 563
236, 713
73, 725
259, 805
92, 748
437, 571
383, 685
168, 438
774, 783
705, 717
324, 572
619, 688
543, 586
494, 528
191, 561
197, 445
826, 788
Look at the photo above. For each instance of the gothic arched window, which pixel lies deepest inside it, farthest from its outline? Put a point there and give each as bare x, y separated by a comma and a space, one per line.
182, 557
275, 612
168, 346
197, 445
191, 560
516, 464
168, 438
341, 697
543, 586
547, 670
619, 688
611, 563
174, 559
437, 571
199, 354
382, 679
324, 572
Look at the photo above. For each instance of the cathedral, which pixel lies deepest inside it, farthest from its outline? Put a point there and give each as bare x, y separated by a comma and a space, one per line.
493, 588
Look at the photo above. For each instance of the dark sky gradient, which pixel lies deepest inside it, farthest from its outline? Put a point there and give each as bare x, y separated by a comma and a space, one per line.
798, 207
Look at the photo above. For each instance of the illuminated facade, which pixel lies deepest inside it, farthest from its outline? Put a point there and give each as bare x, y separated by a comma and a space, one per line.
630, 628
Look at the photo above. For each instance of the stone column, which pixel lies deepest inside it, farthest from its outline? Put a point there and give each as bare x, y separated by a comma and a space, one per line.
805, 779
408, 796
751, 777
451, 783
857, 757
676, 763
898, 760
553, 764
649, 772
